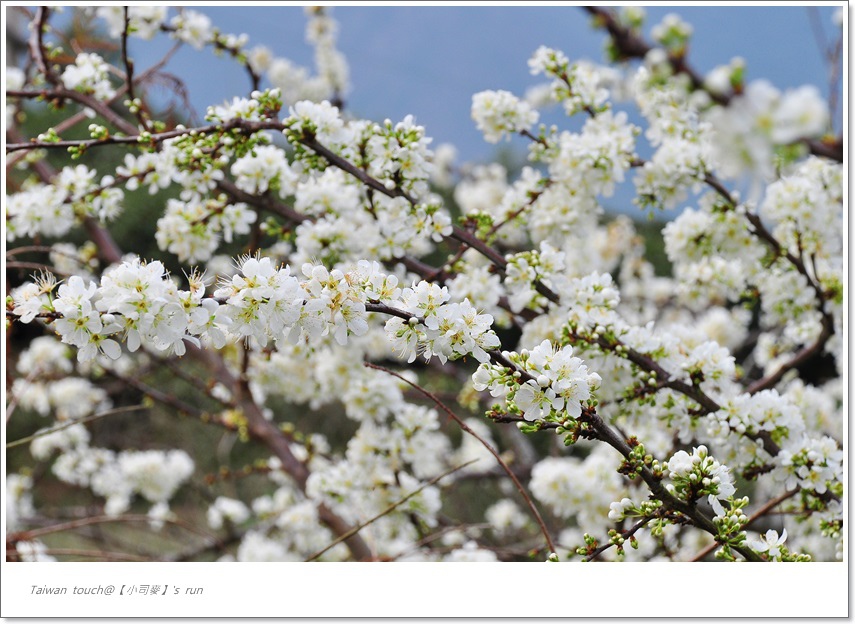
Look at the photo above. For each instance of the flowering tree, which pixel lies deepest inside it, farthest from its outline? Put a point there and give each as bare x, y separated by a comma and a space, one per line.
344, 347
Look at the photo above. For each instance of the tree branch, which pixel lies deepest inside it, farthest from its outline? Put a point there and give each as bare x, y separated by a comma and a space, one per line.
530, 503
352, 532
632, 46
754, 517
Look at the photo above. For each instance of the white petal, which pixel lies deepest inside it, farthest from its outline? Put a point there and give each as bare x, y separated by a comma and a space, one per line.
111, 349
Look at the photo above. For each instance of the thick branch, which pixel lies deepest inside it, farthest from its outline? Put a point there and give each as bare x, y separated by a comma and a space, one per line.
610, 437
37, 46
798, 359
265, 202
765, 509
268, 434
630, 45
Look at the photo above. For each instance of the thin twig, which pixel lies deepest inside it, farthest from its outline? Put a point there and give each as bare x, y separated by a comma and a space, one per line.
797, 360
387, 510
77, 552
38, 266
131, 518
79, 116
129, 71
435, 536
160, 397
13, 402
625, 534
99, 415
484, 443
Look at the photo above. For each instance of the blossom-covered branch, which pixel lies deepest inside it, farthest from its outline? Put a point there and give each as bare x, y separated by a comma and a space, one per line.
313, 277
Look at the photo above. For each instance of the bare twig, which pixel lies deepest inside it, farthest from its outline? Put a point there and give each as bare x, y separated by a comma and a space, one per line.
130, 518
484, 443
80, 116
129, 71
161, 397
387, 510
99, 415
77, 552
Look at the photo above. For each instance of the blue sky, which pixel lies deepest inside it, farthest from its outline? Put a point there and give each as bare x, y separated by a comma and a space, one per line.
429, 60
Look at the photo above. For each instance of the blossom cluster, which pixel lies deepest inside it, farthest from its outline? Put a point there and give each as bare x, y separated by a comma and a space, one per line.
447, 330
559, 382
263, 302
699, 474
54, 209
500, 113
89, 75
579, 87
332, 71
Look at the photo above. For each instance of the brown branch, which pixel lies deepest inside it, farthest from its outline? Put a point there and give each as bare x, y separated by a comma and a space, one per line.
665, 380
129, 70
132, 136
797, 360
516, 213
37, 46
382, 308
630, 45
37, 266
438, 534
217, 546
468, 238
234, 52
267, 433
831, 148
61, 93
79, 116
108, 250
765, 509
599, 430
345, 165
458, 233
265, 202
161, 397
193, 379
761, 232
605, 433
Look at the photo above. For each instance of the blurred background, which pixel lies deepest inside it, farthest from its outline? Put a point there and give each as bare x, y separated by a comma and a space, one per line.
428, 61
